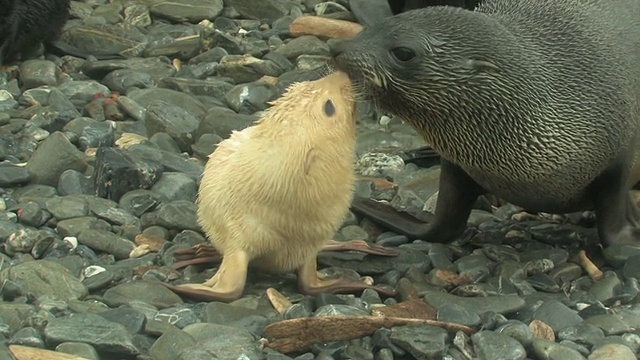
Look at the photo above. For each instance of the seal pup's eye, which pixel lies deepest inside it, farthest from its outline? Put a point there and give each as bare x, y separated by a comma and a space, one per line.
329, 109
403, 53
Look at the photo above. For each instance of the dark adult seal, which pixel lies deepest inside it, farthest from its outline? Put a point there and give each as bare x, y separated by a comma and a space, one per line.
26, 24
535, 101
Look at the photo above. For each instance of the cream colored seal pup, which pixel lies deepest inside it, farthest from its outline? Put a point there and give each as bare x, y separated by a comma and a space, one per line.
275, 193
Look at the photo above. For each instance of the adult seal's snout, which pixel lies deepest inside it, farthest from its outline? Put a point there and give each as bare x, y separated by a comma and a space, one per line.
536, 101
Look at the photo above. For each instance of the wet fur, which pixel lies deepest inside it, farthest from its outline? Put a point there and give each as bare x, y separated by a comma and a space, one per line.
533, 99
281, 188
25, 24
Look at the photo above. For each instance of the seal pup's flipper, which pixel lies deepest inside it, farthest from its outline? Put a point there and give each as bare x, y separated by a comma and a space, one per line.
456, 195
204, 253
310, 282
226, 285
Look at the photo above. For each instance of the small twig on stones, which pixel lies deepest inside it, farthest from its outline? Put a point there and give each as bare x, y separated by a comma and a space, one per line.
296, 335
278, 300
594, 273
28, 353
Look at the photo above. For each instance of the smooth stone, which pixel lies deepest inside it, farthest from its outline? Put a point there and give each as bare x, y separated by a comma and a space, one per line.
273, 9
173, 120
186, 10
178, 215
421, 341
67, 207
53, 156
224, 341
107, 242
178, 316
72, 182
612, 351
44, 277
35, 73
499, 304
72, 227
91, 329
78, 349
27, 336
148, 292
611, 324
557, 315
133, 320
517, 330
171, 344
221, 313
176, 186
549, 350
222, 122
456, 314
583, 333
607, 287
495, 346
13, 175
144, 97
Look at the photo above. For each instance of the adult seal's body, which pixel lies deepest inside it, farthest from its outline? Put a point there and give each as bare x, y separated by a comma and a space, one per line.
536, 101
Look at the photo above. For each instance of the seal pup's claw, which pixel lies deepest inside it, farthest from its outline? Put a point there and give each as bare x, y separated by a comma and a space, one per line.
385, 215
310, 282
361, 246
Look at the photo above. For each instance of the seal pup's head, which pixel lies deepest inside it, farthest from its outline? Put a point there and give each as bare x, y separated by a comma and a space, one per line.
435, 66
311, 112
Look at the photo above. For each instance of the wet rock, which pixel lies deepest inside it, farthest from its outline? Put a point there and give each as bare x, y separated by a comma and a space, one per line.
185, 10
44, 277
116, 173
54, 156
421, 341
148, 292
173, 120
91, 329
492, 345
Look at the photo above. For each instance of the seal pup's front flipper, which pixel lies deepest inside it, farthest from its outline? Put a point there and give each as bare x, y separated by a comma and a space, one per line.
310, 282
226, 285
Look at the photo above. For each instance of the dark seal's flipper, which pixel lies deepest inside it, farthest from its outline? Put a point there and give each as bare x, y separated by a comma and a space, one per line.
457, 194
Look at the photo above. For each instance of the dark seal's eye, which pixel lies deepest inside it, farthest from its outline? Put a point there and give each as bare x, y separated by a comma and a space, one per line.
329, 109
403, 54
